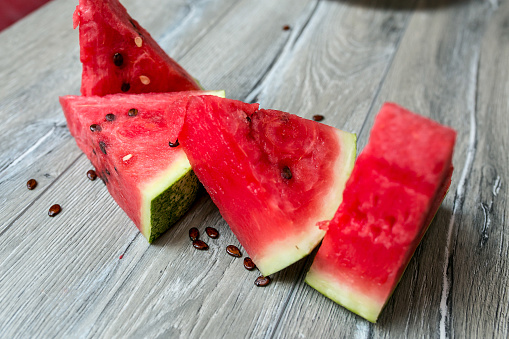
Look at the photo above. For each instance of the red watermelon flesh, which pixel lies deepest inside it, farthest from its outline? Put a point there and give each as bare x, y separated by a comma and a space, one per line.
272, 175
395, 189
126, 137
118, 55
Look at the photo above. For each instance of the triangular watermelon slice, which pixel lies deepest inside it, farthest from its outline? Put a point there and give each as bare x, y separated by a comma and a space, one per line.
272, 175
396, 187
118, 55
126, 137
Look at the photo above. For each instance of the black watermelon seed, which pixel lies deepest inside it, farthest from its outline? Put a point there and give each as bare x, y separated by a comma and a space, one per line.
194, 234
318, 117
31, 184
116, 170
118, 59
91, 175
132, 23
102, 146
286, 173
93, 151
95, 128
262, 281
125, 87
200, 245
110, 117
233, 251
248, 119
133, 112
107, 172
249, 264
174, 144
212, 232
286, 27
54, 210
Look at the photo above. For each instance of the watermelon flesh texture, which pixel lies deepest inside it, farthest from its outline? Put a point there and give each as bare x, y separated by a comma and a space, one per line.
151, 181
118, 55
240, 154
395, 189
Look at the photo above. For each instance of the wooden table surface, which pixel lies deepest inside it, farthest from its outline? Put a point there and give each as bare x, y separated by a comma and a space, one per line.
89, 273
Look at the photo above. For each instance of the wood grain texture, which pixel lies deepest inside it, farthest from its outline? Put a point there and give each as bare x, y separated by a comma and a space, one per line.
89, 273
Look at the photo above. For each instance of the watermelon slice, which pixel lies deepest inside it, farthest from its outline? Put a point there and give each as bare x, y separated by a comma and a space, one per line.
126, 137
396, 187
272, 174
118, 55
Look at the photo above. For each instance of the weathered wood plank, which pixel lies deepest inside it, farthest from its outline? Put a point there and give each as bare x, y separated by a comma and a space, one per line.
431, 74
479, 250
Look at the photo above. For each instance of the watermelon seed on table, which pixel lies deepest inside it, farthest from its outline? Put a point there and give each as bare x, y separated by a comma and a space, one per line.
31, 184
249, 264
262, 281
233, 251
194, 234
200, 245
54, 210
91, 175
318, 117
212, 232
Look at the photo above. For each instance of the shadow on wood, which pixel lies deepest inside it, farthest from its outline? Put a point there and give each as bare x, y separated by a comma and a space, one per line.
402, 4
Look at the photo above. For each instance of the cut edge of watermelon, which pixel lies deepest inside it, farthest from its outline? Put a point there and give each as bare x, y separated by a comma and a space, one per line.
351, 298
291, 250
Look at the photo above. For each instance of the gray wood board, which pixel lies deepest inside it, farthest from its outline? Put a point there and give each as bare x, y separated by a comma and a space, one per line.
64, 277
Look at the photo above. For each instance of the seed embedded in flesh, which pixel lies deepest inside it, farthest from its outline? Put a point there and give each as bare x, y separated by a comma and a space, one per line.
144, 79
125, 87
138, 41
174, 144
110, 117
248, 119
262, 281
133, 112
102, 146
318, 117
194, 234
127, 157
31, 184
91, 175
233, 251
54, 210
95, 128
286, 173
212, 232
107, 172
200, 245
118, 59
286, 27
249, 264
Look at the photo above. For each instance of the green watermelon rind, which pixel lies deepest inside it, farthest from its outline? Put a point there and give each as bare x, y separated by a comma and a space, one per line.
350, 299
290, 250
167, 198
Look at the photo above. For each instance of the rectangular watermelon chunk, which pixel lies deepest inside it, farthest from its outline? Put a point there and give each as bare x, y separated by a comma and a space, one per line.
120, 56
273, 175
395, 189
126, 137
